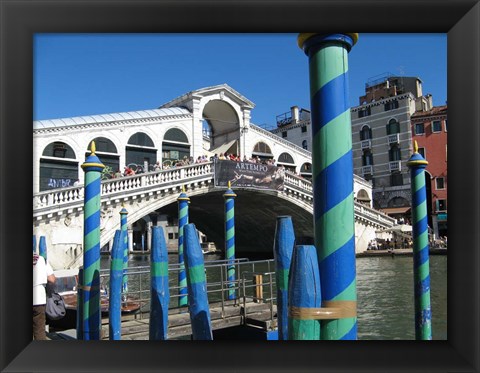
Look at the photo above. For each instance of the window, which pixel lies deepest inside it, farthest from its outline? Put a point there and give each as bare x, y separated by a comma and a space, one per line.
393, 127
286, 158
367, 158
391, 105
305, 144
284, 134
436, 126
394, 153
396, 179
421, 151
440, 183
441, 204
170, 236
304, 129
364, 112
419, 129
365, 133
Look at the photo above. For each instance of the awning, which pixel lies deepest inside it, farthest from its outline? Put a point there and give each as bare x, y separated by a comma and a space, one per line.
222, 148
395, 210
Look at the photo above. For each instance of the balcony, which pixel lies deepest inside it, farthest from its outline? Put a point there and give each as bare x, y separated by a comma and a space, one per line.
366, 144
394, 139
367, 170
395, 166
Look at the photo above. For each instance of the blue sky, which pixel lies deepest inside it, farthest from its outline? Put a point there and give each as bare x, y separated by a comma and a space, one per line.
86, 74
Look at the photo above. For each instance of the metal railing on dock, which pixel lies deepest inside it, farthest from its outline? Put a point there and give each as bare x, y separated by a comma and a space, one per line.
254, 284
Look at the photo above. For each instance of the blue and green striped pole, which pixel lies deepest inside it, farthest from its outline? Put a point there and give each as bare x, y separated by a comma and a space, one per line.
304, 294
115, 294
183, 202
34, 244
42, 247
230, 239
332, 165
79, 321
421, 262
91, 247
123, 227
159, 292
282, 250
197, 286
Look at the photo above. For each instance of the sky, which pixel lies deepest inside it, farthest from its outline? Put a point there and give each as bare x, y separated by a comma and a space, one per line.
88, 74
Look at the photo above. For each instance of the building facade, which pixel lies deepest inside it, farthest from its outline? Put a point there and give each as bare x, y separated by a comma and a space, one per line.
429, 129
383, 127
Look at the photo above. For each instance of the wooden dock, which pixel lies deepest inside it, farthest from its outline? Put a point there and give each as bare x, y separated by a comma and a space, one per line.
136, 327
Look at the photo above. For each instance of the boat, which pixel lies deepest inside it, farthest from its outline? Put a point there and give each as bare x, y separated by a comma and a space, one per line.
67, 284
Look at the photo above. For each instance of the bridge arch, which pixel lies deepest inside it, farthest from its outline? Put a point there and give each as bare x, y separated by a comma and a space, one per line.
286, 160
223, 120
140, 148
107, 152
263, 150
175, 145
58, 166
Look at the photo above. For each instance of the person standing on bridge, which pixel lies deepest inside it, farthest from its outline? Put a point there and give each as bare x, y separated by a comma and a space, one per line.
42, 273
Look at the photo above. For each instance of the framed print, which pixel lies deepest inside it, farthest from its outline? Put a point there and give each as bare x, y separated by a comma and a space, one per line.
21, 20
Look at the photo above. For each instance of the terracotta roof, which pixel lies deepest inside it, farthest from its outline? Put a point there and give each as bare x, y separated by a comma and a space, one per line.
436, 110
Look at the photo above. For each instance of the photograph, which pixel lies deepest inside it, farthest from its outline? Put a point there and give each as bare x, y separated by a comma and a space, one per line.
268, 191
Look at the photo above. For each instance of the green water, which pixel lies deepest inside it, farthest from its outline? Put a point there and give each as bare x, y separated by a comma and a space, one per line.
384, 294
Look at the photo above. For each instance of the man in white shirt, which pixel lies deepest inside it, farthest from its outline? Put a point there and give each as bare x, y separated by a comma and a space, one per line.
42, 272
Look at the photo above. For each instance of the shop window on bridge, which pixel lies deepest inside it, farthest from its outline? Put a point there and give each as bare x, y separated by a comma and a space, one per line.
175, 146
58, 166
262, 151
141, 153
306, 171
286, 160
107, 152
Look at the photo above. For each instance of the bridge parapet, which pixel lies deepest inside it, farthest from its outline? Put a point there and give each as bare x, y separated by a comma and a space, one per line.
54, 202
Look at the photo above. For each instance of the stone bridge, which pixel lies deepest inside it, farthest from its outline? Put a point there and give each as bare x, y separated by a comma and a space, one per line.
58, 214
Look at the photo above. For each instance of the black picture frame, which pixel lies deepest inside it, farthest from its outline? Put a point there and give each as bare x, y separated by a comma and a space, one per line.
21, 19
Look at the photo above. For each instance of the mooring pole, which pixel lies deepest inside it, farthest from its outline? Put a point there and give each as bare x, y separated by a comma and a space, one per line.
183, 202
115, 291
304, 294
42, 247
91, 247
34, 244
421, 262
197, 286
332, 165
159, 293
123, 228
230, 239
283, 248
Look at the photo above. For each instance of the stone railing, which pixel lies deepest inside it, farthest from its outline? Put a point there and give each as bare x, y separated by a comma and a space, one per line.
276, 138
56, 200
72, 197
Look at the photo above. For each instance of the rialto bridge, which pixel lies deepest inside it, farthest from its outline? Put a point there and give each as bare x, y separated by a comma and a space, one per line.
203, 122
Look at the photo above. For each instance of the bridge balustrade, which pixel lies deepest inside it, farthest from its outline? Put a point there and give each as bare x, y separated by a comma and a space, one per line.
54, 201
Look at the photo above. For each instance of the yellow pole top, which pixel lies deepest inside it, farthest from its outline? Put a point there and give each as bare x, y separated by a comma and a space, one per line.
415, 147
93, 148
183, 188
229, 184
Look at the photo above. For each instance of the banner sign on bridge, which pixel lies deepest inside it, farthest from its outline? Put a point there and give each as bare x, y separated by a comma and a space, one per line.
249, 175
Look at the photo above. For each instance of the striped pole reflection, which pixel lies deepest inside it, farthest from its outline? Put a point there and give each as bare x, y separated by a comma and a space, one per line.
332, 165
421, 262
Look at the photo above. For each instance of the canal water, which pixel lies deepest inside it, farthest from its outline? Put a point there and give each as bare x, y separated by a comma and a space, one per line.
384, 294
